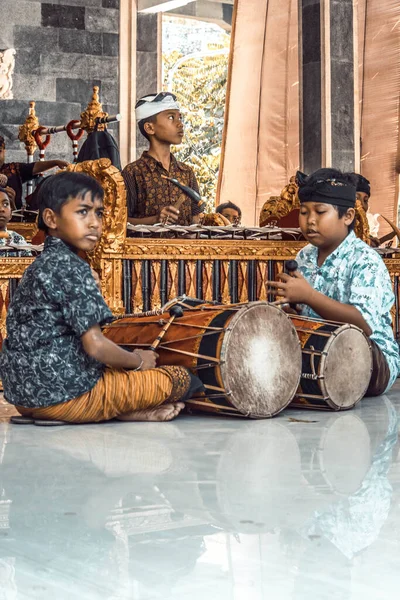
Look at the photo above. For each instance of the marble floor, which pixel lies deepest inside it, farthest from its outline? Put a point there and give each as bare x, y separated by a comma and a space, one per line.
302, 506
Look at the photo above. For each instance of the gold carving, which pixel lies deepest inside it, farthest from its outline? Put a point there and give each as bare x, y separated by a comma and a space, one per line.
25, 130
280, 206
115, 211
94, 110
7, 64
361, 227
27, 230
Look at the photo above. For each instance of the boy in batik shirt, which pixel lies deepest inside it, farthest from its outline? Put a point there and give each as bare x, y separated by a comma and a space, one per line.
339, 277
56, 364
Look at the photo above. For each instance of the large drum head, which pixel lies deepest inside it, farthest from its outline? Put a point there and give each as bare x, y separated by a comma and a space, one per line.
346, 367
261, 360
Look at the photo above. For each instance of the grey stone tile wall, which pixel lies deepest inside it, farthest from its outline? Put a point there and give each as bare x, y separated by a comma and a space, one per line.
63, 48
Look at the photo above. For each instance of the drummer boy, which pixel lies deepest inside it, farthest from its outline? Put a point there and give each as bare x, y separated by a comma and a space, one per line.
339, 277
56, 364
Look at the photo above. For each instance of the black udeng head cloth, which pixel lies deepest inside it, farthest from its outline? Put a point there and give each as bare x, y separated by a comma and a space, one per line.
327, 190
363, 185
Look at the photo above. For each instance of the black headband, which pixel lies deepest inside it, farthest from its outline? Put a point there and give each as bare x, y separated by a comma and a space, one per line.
327, 191
363, 185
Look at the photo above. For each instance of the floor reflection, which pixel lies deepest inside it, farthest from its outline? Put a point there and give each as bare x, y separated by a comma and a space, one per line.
300, 506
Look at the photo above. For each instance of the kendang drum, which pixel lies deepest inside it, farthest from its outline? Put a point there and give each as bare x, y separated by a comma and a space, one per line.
248, 356
336, 364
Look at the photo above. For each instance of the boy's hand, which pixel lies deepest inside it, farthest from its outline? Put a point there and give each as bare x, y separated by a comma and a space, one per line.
149, 359
294, 289
61, 164
169, 214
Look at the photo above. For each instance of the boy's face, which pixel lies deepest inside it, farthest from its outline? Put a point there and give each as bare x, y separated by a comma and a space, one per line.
168, 127
321, 226
79, 223
232, 215
5, 211
364, 199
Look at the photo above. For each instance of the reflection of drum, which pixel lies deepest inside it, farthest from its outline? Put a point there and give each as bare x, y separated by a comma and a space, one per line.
247, 357
336, 364
325, 457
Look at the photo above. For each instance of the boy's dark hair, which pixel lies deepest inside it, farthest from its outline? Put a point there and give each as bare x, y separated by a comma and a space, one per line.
222, 207
57, 190
141, 124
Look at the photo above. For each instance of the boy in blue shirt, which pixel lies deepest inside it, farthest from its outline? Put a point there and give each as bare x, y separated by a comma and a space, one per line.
56, 364
339, 277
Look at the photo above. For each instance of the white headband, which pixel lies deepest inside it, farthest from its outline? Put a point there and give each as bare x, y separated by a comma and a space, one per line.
150, 108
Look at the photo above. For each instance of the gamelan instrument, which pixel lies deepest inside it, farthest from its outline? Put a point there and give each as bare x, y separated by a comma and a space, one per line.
336, 364
247, 356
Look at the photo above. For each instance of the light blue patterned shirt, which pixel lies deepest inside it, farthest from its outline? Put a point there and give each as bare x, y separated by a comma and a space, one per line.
355, 274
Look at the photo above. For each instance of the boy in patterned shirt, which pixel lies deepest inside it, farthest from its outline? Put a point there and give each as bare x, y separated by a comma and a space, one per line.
151, 198
6, 236
339, 277
56, 364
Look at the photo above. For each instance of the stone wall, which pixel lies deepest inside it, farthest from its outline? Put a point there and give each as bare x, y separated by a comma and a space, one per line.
146, 65
63, 49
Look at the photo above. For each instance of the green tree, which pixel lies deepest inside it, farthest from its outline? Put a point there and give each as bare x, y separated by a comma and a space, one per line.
200, 85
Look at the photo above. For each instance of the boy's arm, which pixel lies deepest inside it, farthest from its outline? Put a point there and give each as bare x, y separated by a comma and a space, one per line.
45, 165
296, 289
108, 353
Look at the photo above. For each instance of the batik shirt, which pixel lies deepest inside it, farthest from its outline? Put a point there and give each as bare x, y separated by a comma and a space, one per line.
355, 274
14, 238
148, 193
43, 361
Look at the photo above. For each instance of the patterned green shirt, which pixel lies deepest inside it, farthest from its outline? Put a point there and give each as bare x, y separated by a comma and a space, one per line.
355, 274
43, 361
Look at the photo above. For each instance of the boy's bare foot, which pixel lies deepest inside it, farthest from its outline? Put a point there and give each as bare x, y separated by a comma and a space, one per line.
165, 412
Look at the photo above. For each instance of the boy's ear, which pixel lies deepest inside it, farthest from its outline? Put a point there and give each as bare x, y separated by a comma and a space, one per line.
349, 216
149, 128
49, 218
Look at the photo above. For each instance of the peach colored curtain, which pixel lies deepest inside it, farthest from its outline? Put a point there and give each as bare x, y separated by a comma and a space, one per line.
261, 137
379, 76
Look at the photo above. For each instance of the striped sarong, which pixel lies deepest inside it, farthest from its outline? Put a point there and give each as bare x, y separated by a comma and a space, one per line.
118, 392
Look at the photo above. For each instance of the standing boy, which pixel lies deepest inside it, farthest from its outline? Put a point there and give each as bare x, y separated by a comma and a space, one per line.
151, 198
340, 278
56, 364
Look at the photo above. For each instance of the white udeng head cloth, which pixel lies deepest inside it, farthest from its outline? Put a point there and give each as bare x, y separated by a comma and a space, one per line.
150, 108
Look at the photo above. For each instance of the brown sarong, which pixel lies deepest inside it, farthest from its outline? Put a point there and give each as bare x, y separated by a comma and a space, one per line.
380, 375
118, 392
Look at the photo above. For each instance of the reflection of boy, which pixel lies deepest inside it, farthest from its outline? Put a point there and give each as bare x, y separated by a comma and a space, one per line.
56, 363
9, 236
20, 173
340, 278
150, 197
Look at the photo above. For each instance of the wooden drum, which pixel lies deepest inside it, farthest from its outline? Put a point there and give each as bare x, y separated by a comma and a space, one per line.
336, 364
248, 357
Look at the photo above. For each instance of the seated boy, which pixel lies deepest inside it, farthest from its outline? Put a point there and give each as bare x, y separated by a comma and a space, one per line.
230, 211
150, 197
7, 236
20, 173
340, 278
56, 364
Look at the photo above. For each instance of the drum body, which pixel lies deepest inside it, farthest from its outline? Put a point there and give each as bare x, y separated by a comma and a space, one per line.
248, 357
336, 364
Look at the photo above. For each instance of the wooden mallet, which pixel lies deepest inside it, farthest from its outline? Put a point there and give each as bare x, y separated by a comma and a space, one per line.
174, 312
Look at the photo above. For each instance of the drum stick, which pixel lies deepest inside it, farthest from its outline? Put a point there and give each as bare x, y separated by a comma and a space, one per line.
174, 312
290, 267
